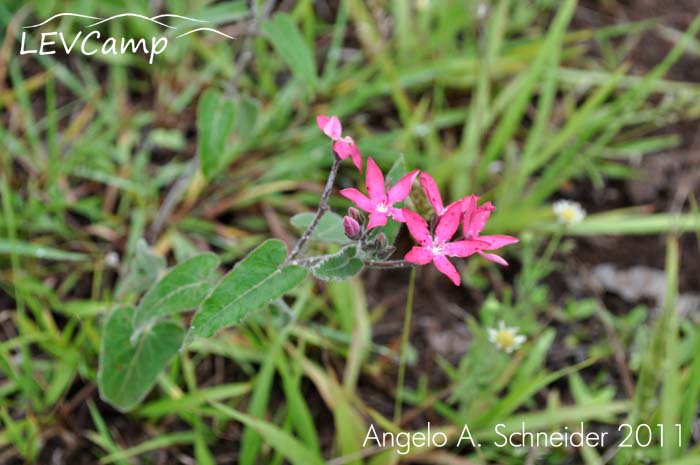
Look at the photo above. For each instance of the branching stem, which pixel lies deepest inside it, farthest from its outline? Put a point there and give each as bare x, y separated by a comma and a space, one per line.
388, 264
322, 209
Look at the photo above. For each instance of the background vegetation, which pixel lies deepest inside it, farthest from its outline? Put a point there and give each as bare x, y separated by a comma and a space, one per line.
522, 102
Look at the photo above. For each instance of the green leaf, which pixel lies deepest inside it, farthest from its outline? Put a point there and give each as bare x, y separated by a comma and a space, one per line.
330, 227
128, 369
28, 249
183, 288
247, 117
254, 281
143, 270
215, 118
291, 47
338, 267
397, 171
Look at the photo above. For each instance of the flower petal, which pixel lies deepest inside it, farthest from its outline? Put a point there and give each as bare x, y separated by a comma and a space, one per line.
375, 182
342, 149
448, 269
377, 219
492, 257
432, 192
469, 204
448, 223
330, 126
401, 189
475, 218
358, 197
464, 248
355, 155
419, 256
322, 121
417, 227
397, 214
497, 241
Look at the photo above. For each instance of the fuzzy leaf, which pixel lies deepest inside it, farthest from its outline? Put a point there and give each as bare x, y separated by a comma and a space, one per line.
183, 288
215, 118
254, 281
340, 266
329, 229
143, 270
129, 369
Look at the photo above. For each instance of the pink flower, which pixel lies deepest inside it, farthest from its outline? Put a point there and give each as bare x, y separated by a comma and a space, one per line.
380, 203
433, 193
342, 146
436, 248
475, 218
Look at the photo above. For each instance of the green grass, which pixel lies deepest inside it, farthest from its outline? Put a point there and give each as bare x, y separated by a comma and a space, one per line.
514, 107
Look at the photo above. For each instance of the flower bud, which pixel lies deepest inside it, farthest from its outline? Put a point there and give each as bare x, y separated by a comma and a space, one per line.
356, 215
381, 241
352, 228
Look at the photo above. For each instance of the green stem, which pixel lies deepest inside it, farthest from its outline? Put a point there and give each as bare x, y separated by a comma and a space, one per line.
404, 343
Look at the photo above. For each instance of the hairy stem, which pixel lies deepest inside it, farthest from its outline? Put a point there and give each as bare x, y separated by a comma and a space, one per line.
387, 264
322, 209
404, 343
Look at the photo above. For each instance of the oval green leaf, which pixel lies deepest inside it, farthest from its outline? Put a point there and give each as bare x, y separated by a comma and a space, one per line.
129, 369
183, 288
340, 266
254, 281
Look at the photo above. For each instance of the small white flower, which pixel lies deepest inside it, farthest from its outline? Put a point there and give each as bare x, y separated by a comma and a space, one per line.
505, 338
568, 212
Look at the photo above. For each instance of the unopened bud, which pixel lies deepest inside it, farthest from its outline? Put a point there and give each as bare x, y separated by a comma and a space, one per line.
352, 228
381, 241
356, 215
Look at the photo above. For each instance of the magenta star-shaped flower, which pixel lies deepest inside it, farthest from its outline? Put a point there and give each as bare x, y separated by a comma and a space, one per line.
475, 218
380, 204
436, 248
342, 146
433, 193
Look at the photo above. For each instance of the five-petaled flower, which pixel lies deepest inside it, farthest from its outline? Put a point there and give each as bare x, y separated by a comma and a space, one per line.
475, 218
380, 204
433, 193
436, 248
342, 146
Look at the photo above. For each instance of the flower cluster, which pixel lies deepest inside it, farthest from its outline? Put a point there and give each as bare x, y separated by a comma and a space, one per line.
436, 244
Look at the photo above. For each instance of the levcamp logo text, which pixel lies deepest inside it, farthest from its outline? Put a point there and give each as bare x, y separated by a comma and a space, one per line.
89, 41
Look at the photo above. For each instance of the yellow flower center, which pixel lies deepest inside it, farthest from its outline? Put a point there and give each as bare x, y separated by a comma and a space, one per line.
505, 338
569, 215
